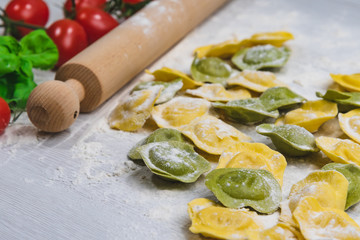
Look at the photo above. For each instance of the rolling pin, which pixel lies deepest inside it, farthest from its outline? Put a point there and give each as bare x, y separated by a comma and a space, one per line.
95, 74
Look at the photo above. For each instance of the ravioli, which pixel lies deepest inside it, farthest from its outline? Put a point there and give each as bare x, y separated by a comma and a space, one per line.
311, 115
260, 57
168, 92
328, 187
346, 101
213, 220
247, 111
131, 114
228, 48
254, 156
350, 124
352, 174
280, 98
241, 187
166, 74
318, 222
174, 160
349, 82
222, 50
211, 70
217, 92
281, 231
179, 111
291, 140
276, 39
159, 135
212, 135
258, 81
339, 150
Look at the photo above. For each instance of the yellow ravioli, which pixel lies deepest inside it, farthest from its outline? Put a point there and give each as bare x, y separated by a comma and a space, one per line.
217, 92
350, 124
339, 150
179, 111
167, 74
254, 156
212, 220
276, 39
328, 187
349, 82
228, 48
258, 81
222, 50
312, 114
212, 135
317, 222
131, 114
280, 231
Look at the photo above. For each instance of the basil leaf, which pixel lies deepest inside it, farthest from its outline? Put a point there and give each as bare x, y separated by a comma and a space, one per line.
26, 68
9, 44
7, 89
16, 87
24, 84
8, 63
38, 48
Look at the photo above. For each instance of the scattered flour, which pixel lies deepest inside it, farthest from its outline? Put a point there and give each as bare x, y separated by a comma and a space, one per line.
101, 152
141, 20
18, 135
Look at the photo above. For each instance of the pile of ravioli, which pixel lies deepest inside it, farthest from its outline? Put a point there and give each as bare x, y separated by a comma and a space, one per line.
234, 82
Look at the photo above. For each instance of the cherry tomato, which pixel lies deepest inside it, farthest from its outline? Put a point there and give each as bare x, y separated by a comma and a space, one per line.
133, 1
96, 22
34, 12
70, 38
5, 115
83, 4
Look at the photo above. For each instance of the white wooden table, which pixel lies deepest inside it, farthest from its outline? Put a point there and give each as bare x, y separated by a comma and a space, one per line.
79, 184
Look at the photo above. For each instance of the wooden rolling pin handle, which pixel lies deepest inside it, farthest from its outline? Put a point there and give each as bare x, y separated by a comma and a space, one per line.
77, 87
54, 105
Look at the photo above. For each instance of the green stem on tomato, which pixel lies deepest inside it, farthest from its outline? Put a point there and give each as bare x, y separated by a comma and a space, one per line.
73, 4
73, 9
113, 6
10, 24
16, 115
23, 24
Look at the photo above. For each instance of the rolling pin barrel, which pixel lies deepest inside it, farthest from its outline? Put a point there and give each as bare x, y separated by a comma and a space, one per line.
88, 79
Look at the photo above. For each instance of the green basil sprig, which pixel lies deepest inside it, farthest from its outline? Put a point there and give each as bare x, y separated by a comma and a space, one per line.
17, 59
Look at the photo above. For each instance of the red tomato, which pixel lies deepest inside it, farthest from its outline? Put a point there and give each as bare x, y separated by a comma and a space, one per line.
83, 4
96, 22
70, 38
5, 115
34, 12
133, 1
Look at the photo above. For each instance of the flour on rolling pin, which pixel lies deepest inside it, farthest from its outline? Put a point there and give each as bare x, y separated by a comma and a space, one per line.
95, 74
